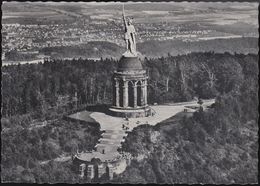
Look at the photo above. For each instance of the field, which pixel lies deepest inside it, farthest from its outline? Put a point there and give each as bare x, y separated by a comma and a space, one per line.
156, 48
222, 16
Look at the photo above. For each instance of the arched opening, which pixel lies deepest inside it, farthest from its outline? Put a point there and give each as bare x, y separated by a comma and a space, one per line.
121, 93
139, 94
107, 172
114, 93
130, 94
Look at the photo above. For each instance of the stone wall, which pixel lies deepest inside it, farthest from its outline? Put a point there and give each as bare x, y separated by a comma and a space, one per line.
97, 170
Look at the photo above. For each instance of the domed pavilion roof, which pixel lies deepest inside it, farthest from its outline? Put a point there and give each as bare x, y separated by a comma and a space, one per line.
129, 64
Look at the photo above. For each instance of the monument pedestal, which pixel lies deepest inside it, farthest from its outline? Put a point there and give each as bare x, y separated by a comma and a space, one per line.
130, 89
130, 112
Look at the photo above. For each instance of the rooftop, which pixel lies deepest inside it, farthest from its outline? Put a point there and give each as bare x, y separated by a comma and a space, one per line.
129, 64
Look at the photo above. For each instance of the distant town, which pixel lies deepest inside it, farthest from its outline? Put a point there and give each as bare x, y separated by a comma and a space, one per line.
29, 30
30, 38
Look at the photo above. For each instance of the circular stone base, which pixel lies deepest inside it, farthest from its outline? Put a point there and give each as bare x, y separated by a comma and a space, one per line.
130, 112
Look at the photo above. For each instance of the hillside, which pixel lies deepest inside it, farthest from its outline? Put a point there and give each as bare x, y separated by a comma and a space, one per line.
188, 151
97, 49
217, 146
178, 47
94, 49
25, 149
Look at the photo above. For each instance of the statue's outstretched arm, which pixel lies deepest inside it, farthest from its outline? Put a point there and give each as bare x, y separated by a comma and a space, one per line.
124, 19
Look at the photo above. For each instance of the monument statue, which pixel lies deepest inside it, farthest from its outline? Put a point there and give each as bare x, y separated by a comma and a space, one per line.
130, 81
129, 37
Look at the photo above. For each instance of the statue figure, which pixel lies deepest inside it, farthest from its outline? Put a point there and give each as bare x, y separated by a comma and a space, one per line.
129, 36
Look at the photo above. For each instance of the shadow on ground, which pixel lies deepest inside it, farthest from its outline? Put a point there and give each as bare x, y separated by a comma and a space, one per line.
98, 108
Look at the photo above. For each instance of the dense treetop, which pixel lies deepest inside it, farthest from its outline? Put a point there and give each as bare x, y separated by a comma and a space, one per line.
214, 146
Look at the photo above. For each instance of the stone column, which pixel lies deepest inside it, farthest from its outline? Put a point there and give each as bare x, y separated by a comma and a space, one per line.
90, 172
101, 170
135, 95
82, 168
125, 94
145, 92
117, 93
110, 171
142, 93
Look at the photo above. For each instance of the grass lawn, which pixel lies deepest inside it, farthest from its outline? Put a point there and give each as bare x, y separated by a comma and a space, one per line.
83, 115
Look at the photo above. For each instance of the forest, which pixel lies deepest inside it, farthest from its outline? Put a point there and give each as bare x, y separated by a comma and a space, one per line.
49, 91
53, 86
217, 146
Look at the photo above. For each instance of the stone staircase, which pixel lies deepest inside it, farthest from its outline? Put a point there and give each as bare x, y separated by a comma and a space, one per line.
106, 148
110, 141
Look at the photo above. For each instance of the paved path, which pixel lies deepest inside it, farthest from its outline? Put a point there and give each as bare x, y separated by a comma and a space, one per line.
114, 134
111, 139
62, 158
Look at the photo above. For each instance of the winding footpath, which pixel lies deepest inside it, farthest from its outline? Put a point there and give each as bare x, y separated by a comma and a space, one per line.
114, 133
